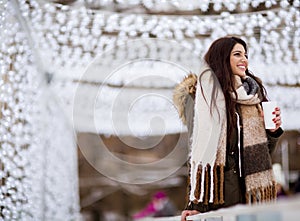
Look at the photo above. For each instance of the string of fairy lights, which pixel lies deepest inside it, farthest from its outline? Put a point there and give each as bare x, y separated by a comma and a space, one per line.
77, 34
31, 178
203, 5
69, 37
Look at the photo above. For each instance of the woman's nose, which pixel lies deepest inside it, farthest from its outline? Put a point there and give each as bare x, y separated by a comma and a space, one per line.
244, 59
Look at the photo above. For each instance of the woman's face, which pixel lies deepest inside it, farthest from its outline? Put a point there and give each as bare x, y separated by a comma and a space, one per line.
238, 60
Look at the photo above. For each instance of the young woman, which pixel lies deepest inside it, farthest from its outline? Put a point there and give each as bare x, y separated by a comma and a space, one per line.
230, 159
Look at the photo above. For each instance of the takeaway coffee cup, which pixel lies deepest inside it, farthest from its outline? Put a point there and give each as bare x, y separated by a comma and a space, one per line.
269, 108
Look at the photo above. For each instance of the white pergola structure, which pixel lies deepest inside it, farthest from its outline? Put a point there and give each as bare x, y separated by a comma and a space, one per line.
109, 67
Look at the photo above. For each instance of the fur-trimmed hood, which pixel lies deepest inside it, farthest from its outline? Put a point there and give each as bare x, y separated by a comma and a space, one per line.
185, 90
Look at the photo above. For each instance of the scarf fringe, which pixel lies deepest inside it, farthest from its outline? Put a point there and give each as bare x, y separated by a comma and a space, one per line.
198, 184
262, 194
188, 190
207, 184
217, 174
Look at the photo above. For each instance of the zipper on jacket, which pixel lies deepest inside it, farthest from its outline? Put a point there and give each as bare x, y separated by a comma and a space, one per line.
239, 142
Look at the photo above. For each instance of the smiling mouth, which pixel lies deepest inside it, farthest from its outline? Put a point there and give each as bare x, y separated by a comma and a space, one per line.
242, 67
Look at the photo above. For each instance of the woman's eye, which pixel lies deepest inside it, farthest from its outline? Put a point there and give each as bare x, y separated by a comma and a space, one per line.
239, 55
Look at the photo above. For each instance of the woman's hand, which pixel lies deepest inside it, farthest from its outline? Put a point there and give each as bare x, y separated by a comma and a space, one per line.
276, 119
186, 213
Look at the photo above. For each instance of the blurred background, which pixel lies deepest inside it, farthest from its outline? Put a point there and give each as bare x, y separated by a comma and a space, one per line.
88, 129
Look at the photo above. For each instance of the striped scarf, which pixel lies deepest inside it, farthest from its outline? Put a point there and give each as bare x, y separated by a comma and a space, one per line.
208, 143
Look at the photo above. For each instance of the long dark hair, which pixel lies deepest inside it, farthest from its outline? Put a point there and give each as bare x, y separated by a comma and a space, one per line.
218, 59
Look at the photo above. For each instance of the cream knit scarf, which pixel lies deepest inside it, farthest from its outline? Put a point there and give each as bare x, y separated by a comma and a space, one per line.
208, 144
